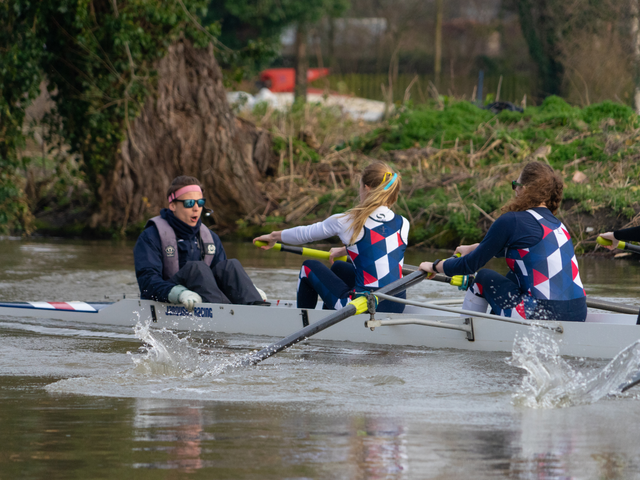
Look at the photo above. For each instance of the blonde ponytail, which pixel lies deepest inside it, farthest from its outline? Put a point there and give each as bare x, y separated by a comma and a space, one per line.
384, 186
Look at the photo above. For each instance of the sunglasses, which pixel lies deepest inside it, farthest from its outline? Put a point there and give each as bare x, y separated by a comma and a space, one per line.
515, 184
191, 202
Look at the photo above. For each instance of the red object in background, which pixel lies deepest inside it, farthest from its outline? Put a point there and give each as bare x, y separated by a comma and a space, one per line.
284, 79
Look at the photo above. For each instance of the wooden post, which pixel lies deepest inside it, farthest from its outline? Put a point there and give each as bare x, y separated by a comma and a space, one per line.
437, 68
302, 65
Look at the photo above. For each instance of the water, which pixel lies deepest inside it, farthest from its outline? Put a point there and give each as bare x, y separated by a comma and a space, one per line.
78, 401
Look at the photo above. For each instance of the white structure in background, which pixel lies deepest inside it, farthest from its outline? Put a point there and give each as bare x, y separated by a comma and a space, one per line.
355, 107
363, 32
347, 31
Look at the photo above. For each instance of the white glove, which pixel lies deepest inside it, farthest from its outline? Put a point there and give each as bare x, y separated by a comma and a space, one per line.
262, 294
180, 294
189, 299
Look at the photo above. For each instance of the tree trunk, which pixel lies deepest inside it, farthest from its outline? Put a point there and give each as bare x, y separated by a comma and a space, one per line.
302, 64
540, 23
332, 42
188, 128
437, 68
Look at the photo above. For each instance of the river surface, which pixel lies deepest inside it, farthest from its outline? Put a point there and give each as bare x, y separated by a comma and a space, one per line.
93, 402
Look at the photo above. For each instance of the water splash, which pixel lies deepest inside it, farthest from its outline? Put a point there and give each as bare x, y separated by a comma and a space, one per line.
165, 353
553, 383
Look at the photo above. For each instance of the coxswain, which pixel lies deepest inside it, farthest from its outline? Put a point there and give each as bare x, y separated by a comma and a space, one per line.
179, 260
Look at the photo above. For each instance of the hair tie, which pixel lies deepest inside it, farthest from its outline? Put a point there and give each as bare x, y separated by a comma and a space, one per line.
393, 179
384, 177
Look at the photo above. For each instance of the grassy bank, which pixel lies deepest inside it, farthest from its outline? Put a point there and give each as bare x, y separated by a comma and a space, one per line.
457, 162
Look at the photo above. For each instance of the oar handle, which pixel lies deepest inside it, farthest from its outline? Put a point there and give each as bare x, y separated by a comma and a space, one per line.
277, 246
629, 247
460, 281
304, 251
607, 243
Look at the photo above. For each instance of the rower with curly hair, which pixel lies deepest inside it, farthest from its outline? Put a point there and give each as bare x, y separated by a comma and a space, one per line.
544, 281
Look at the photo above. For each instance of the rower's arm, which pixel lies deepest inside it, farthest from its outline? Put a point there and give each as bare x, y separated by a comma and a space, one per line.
493, 244
312, 233
628, 234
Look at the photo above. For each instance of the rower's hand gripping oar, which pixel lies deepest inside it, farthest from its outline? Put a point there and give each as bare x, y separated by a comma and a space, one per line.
461, 281
355, 307
629, 247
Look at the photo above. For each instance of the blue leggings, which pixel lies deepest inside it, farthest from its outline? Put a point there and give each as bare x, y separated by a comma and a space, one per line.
335, 286
504, 295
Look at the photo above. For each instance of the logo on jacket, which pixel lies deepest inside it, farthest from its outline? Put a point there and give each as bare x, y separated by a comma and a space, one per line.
211, 248
170, 251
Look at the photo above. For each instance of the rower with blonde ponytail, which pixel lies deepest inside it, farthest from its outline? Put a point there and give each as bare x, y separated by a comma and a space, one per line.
375, 240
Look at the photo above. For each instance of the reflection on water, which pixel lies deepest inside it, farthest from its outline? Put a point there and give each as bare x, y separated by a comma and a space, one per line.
123, 438
179, 426
78, 401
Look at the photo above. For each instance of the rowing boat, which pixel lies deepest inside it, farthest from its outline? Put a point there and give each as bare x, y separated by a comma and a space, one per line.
603, 335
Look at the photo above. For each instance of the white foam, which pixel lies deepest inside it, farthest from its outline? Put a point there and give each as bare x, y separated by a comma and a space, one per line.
552, 382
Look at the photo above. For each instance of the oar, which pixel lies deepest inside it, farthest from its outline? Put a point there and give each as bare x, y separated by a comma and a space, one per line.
631, 383
355, 307
629, 247
307, 252
461, 281
612, 307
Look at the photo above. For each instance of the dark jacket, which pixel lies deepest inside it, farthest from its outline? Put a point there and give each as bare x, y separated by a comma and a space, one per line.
147, 255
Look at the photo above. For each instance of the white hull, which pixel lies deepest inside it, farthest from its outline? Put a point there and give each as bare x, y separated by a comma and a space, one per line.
602, 336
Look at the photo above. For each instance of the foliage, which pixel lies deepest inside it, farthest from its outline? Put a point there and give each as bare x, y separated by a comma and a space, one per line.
21, 52
252, 28
551, 26
450, 187
98, 57
541, 24
416, 127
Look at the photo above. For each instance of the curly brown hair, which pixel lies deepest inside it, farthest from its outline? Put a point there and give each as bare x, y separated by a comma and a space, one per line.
542, 184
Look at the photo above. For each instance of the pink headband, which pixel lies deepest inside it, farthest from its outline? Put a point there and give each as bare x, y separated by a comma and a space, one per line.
183, 190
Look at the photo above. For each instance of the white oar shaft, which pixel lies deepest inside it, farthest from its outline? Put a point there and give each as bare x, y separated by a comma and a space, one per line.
555, 328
